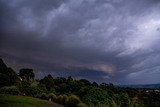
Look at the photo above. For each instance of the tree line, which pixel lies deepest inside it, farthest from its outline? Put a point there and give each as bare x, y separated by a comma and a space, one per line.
73, 93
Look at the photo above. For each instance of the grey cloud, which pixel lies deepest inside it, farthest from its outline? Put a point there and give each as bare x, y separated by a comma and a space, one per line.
105, 40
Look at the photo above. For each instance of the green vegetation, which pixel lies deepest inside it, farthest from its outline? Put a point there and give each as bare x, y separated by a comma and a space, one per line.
23, 101
68, 92
26, 74
10, 90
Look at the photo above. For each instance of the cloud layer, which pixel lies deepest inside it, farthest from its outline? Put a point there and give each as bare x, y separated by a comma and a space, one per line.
101, 40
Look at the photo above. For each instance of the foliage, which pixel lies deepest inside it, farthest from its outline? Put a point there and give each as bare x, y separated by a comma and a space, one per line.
26, 74
3, 67
14, 79
81, 105
43, 96
52, 96
85, 82
74, 93
10, 90
122, 99
48, 82
4, 80
7, 75
60, 99
65, 99
73, 101
30, 89
97, 96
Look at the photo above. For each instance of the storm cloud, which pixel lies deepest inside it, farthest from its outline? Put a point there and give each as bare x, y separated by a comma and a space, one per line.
101, 40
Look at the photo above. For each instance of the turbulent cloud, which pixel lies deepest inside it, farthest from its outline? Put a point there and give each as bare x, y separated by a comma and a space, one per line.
101, 40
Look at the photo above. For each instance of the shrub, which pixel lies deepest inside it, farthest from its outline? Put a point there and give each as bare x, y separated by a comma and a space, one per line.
60, 99
122, 99
73, 101
52, 96
44, 96
25, 87
65, 99
97, 96
81, 105
9, 90
4, 80
34, 91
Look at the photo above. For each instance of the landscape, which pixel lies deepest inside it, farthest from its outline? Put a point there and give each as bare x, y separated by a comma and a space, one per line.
68, 92
79, 53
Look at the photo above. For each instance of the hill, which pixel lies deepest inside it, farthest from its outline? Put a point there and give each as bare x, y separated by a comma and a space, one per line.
23, 101
151, 86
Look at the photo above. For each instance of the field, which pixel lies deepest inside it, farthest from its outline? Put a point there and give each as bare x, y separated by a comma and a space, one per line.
23, 101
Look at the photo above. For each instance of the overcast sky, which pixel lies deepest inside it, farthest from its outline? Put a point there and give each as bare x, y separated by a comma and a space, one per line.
114, 41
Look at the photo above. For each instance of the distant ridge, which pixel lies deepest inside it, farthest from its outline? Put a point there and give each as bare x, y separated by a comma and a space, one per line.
153, 86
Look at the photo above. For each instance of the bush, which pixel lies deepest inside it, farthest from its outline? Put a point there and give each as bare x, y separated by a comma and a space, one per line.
97, 96
122, 99
52, 96
81, 105
73, 101
65, 99
10, 90
4, 80
34, 91
60, 99
25, 88
43, 96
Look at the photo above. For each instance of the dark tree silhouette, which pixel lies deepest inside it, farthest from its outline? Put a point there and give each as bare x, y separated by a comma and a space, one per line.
48, 82
26, 74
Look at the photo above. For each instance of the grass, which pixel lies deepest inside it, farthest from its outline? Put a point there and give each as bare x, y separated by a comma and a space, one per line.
23, 101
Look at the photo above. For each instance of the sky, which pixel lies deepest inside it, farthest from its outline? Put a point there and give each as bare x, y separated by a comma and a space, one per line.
113, 41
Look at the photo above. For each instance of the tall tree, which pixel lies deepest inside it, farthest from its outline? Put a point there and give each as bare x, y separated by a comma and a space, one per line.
97, 96
26, 74
48, 81
8, 74
3, 67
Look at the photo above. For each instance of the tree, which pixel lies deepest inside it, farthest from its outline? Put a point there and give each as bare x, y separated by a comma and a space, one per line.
48, 81
73, 101
85, 82
14, 79
122, 99
4, 80
95, 84
26, 74
7, 75
3, 67
97, 96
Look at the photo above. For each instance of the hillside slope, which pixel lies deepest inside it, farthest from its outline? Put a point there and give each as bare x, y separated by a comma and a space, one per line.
23, 101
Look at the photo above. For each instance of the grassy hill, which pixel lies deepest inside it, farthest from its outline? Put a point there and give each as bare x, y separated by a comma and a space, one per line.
23, 101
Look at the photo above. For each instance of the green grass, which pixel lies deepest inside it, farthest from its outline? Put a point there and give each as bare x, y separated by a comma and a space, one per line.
23, 101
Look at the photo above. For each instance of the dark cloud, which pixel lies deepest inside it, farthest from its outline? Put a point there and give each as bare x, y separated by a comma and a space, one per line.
101, 40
